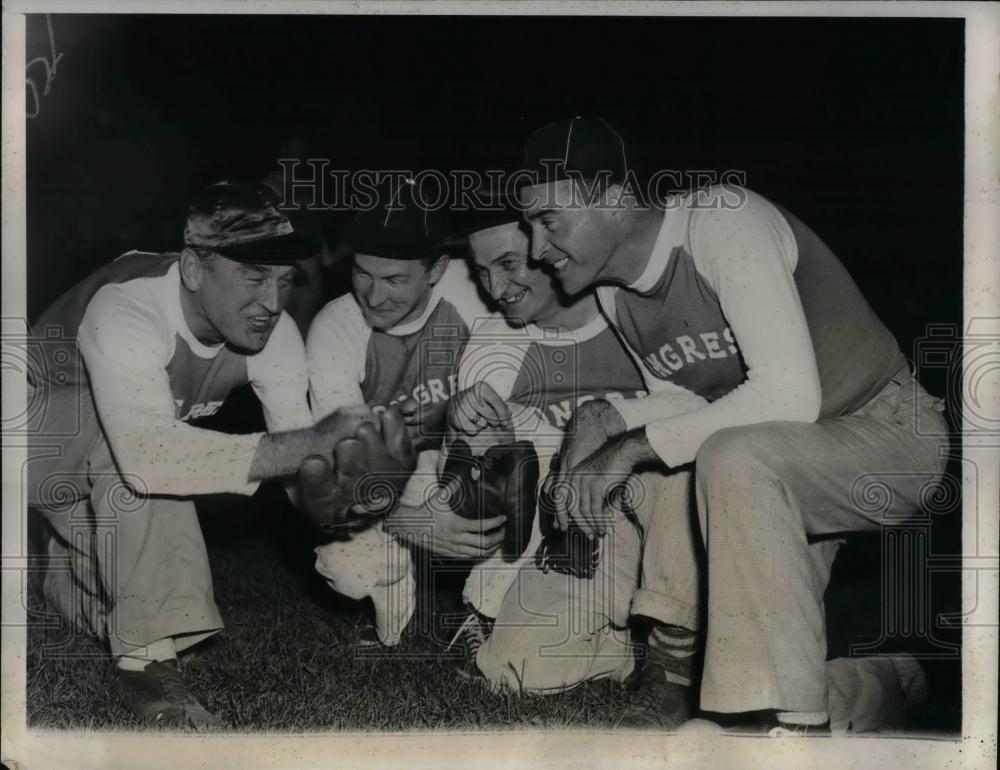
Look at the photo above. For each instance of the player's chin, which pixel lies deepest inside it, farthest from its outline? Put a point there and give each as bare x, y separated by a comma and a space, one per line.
515, 317
573, 281
252, 340
381, 321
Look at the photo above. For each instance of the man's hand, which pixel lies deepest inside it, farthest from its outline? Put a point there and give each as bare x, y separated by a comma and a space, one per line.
477, 408
280, 454
434, 526
366, 477
588, 492
342, 423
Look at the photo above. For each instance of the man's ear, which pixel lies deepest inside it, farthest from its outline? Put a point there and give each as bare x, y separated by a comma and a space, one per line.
437, 269
615, 196
192, 270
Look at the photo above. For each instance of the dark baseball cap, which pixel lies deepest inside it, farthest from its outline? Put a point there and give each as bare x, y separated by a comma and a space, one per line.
399, 225
583, 146
242, 222
484, 209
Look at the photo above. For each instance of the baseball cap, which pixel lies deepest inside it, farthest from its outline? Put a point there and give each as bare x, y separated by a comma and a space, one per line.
399, 225
583, 146
488, 209
242, 222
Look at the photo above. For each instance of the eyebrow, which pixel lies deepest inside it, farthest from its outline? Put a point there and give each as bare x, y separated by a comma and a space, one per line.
261, 269
382, 277
508, 253
539, 214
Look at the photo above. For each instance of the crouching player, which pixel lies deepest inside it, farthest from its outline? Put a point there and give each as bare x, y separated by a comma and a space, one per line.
538, 621
562, 621
395, 340
138, 349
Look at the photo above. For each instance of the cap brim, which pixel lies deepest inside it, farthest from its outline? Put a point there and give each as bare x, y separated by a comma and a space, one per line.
282, 250
366, 237
479, 221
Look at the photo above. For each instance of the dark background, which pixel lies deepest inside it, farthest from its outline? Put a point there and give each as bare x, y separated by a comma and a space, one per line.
855, 125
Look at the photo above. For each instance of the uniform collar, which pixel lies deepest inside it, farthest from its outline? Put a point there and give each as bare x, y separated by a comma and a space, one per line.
671, 235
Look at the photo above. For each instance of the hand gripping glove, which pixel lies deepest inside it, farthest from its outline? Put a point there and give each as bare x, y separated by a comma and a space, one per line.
570, 551
503, 481
370, 470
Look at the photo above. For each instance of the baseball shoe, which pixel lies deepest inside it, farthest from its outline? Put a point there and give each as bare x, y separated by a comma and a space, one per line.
368, 639
471, 635
657, 703
766, 722
159, 696
785, 730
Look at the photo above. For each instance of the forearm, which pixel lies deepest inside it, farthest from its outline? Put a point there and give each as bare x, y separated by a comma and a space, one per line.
178, 459
634, 448
280, 454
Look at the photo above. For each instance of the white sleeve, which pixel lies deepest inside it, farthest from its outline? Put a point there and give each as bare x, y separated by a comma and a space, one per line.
665, 402
335, 350
748, 255
280, 378
125, 352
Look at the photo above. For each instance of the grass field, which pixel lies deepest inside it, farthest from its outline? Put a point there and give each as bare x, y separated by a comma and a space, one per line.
288, 660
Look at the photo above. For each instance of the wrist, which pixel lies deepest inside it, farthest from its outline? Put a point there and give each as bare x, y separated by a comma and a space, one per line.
393, 524
635, 447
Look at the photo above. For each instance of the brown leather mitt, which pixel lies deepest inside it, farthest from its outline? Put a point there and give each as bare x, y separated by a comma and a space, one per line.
503, 481
369, 472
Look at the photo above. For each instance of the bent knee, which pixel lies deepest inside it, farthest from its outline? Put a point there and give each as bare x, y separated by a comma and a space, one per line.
554, 659
730, 451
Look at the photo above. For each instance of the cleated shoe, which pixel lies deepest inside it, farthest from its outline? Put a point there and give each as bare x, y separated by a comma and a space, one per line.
472, 634
657, 703
159, 696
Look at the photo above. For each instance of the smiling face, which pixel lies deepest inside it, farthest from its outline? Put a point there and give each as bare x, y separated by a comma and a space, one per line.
393, 291
575, 236
525, 293
234, 302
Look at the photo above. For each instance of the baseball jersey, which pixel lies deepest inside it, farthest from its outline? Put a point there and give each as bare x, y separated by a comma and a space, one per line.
350, 363
746, 307
148, 376
551, 370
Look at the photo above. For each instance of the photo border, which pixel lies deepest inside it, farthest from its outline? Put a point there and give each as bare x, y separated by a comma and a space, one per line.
24, 748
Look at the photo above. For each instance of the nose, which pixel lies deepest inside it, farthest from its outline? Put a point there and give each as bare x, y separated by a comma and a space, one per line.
539, 241
376, 294
270, 296
497, 283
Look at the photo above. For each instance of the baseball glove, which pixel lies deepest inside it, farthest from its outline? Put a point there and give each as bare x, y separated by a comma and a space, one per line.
569, 551
503, 481
369, 472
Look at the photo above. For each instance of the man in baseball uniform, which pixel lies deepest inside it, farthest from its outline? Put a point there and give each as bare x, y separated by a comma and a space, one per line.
726, 295
128, 358
533, 625
395, 340
521, 378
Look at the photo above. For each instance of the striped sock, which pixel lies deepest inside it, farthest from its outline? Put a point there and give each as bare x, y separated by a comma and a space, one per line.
674, 648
